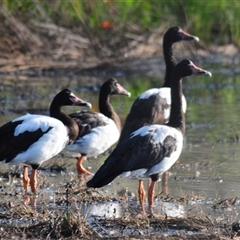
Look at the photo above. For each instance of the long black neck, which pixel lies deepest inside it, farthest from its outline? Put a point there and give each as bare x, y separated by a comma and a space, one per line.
106, 108
177, 118
169, 61
56, 112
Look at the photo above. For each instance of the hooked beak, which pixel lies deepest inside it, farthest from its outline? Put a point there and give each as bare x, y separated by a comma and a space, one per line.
188, 37
79, 102
199, 71
123, 91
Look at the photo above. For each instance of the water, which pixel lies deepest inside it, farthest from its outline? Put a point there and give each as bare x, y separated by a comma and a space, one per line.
208, 168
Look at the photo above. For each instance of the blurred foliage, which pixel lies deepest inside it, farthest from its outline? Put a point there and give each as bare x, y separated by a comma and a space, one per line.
215, 21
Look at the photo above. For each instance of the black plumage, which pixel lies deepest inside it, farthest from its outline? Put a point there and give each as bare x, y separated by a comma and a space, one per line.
151, 150
125, 157
11, 146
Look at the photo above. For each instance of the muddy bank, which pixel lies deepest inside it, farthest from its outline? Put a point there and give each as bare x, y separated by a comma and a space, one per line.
37, 49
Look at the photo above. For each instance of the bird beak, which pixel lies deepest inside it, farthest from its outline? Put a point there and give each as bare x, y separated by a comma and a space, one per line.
199, 71
79, 102
188, 37
122, 90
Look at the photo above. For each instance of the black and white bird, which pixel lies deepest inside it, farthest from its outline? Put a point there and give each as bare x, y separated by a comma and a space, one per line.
31, 139
151, 150
98, 131
156, 102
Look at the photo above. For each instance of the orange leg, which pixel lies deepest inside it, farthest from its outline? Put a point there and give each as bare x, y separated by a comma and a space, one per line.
33, 180
141, 194
165, 183
80, 168
30, 200
151, 193
26, 179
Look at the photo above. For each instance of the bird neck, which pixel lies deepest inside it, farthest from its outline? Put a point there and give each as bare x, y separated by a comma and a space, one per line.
56, 112
169, 61
176, 119
106, 108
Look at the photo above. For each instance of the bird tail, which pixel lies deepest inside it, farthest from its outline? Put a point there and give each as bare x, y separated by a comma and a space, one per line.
106, 173
97, 182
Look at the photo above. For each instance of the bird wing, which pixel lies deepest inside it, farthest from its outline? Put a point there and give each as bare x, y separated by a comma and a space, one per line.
144, 148
17, 136
88, 120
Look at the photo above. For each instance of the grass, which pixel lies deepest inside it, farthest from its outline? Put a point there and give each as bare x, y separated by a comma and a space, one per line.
214, 21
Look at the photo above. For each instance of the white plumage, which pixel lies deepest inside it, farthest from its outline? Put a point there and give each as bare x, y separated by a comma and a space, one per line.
164, 93
98, 131
51, 142
98, 140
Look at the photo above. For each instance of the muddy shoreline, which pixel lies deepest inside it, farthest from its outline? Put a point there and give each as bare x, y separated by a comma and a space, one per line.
44, 49
64, 218
113, 66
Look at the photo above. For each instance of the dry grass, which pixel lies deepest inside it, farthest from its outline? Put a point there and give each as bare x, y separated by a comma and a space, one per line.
28, 218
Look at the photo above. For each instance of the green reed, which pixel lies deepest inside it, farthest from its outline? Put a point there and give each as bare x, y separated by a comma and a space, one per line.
215, 21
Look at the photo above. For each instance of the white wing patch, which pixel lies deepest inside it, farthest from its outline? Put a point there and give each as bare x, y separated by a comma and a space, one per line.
148, 93
163, 93
32, 122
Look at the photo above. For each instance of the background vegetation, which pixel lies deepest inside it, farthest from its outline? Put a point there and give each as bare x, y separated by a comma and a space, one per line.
41, 35
215, 21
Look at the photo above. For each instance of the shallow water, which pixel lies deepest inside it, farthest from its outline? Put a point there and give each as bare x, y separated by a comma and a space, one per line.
208, 167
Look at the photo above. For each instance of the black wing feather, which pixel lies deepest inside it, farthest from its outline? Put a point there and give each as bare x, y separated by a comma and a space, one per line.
132, 154
86, 121
11, 145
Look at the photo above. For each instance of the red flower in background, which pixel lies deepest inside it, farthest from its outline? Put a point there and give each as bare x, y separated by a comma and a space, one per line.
106, 24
